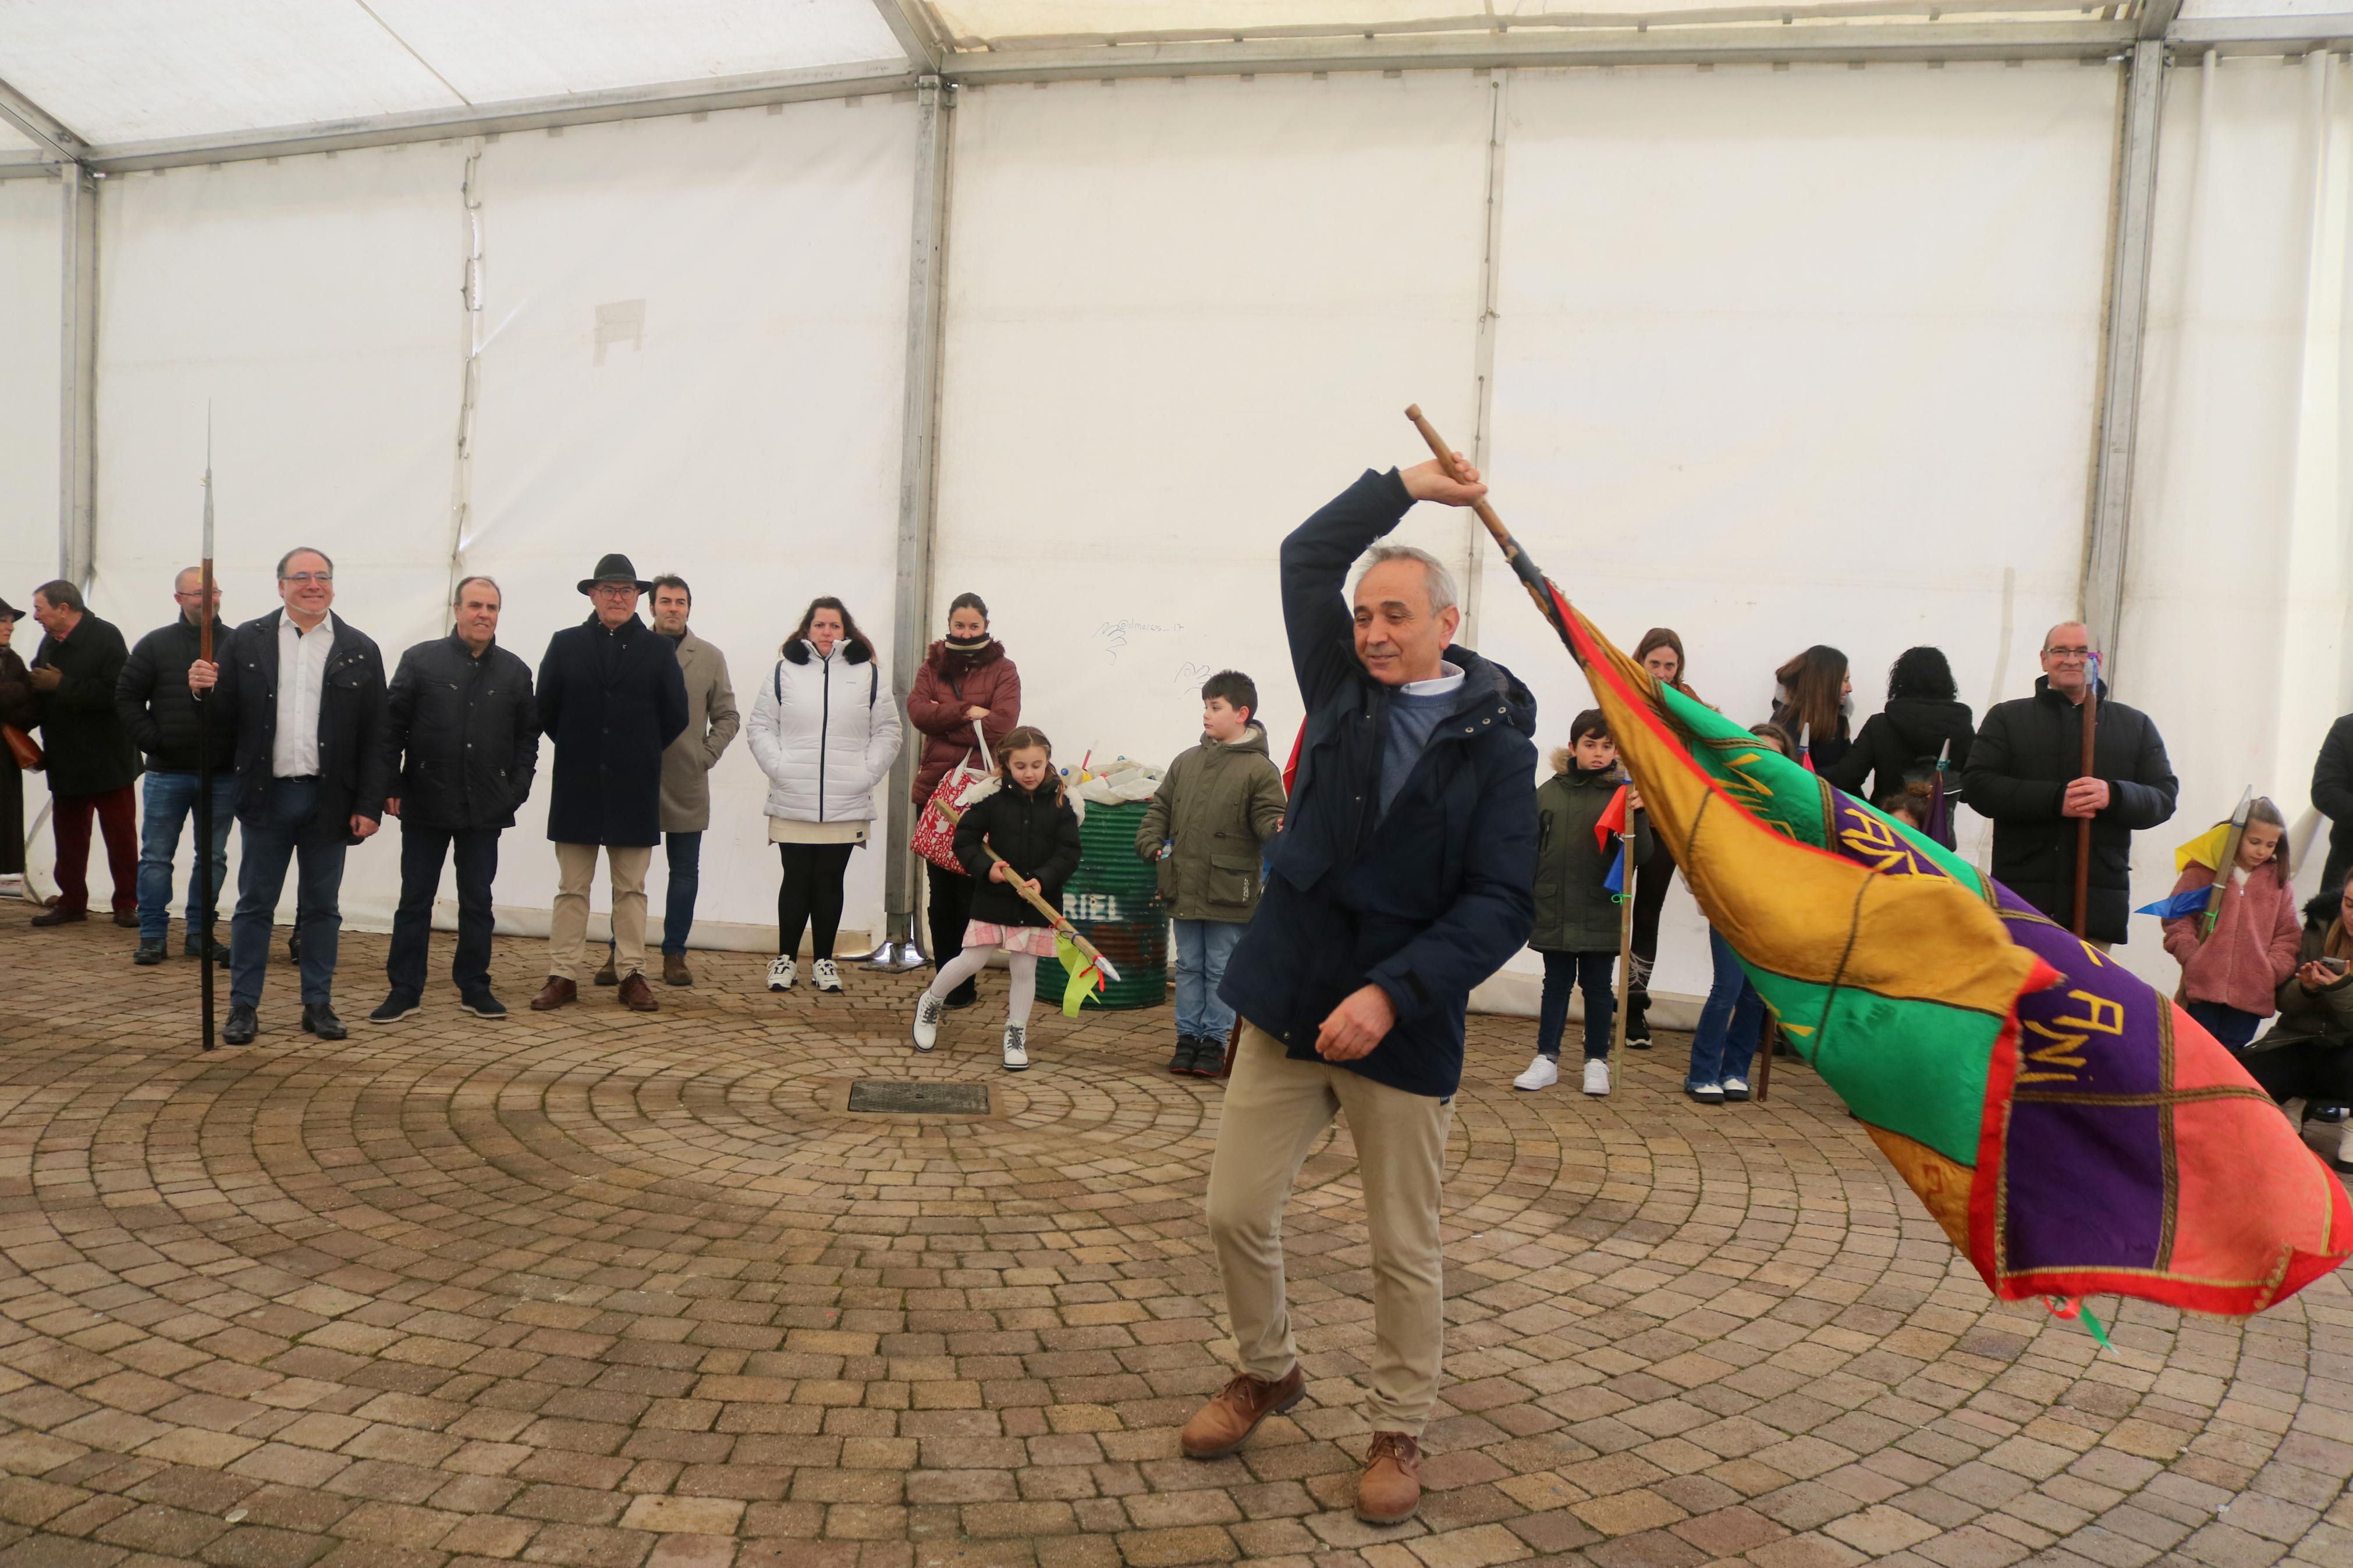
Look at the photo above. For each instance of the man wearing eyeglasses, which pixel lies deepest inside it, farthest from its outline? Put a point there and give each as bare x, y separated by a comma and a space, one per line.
305, 691
161, 715
611, 699
2026, 772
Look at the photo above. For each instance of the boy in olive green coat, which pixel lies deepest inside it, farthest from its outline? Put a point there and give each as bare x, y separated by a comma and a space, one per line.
1208, 826
1576, 918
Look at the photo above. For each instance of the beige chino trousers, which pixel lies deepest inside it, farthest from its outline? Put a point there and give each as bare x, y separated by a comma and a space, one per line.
567, 927
1274, 1111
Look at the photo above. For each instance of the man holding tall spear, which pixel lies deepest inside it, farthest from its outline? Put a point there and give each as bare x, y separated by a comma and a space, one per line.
1401, 879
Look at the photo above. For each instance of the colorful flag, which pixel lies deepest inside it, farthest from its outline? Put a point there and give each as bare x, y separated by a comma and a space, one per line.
1085, 979
2070, 1128
2189, 901
2206, 850
1613, 820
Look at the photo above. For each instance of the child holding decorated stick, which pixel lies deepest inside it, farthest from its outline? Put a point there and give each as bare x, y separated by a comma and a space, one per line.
2231, 973
1026, 817
1579, 817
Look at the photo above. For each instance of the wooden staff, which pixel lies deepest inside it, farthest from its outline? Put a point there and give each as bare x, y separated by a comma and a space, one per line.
1031, 896
1625, 934
1522, 567
1764, 1060
205, 889
2084, 824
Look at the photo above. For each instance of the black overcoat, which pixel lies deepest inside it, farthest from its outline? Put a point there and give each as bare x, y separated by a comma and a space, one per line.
609, 701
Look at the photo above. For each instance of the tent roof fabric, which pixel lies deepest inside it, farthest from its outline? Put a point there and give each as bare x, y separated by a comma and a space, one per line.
136, 70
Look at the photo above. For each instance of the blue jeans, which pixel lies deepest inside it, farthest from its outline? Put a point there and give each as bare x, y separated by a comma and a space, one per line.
171, 799
288, 830
422, 852
1567, 972
2234, 1028
1729, 1026
1202, 949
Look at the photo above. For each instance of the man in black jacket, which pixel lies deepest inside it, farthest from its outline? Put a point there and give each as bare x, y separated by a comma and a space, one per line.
159, 710
611, 697
2025, 773
1401, 879
2332, 796
305, 693
92, 761
462, 745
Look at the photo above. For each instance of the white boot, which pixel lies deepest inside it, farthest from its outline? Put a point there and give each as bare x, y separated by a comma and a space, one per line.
824, 975
781, 973
1596, 1077
927, 1021
1017, 1047
1542, 1073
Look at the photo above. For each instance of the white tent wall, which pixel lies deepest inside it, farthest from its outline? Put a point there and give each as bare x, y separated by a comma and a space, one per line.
1799, 356
2239, 578
1180, 316
735, 419
311, 308
32, 237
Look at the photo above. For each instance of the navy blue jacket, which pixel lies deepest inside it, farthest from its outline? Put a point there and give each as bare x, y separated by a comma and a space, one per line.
1433, 897
609, 701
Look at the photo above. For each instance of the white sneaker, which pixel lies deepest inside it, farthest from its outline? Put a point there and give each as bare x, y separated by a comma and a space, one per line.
1017, 1047
1735, 1089
1707, 1094
1596, 1077
824, 975
781, 974
927, 1021
1542, 1073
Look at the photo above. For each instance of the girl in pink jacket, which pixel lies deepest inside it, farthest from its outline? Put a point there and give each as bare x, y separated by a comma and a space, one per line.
2230, 976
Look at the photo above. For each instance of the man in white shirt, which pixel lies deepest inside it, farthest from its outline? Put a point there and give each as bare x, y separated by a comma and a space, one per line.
305, 692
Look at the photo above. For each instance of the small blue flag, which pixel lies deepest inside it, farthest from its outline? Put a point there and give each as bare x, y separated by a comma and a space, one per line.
2189, 901
1616, 880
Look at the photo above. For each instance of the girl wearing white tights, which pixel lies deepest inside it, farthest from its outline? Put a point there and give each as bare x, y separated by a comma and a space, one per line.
1026, 819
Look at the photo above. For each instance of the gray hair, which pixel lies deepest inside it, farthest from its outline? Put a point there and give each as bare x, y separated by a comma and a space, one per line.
1435, 575
305, 550
458, 593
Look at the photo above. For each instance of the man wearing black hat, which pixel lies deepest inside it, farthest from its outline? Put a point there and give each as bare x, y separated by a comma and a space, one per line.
611, 699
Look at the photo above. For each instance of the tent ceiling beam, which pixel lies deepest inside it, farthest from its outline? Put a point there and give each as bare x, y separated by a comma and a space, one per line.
851, 81
47, 131
1824, 43
911, 23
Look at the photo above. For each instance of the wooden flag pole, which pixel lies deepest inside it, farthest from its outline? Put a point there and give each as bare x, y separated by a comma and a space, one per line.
1031, 896
205, 892
2230, 859
1625, 936
1764, 1060
2084, 824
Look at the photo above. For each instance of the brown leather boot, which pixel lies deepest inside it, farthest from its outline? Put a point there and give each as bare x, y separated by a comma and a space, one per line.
557, 993
637, 997
606, 976
674, 970
1224, 1423
1390, 1490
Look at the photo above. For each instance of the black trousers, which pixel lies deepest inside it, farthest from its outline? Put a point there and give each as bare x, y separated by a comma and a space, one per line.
422, 852
810, 896
2318, 1071
12, 819
950, 912
1652, 878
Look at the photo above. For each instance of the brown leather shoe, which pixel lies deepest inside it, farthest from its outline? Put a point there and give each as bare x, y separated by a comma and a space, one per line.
1390, 1490
127, 919
606, 976
61, 917
1224, 1423
674, 970
637, 997
557, 993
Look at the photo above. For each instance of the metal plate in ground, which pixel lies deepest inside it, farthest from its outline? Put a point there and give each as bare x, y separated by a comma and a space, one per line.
881, 1097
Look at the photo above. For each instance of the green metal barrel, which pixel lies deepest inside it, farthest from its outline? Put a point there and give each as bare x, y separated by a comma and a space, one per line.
1113, 899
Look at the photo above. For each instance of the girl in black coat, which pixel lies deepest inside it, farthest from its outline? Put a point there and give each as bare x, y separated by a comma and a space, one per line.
1900, 744
1028, 822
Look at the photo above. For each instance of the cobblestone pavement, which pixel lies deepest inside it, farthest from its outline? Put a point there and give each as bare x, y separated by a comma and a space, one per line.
599, 1288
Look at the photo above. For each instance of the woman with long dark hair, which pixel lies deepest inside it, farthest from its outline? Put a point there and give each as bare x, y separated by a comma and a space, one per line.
965, 681
824, 732
1811, 704
1900, 743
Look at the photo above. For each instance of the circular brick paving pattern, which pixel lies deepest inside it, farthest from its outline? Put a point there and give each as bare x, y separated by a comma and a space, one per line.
599, 1288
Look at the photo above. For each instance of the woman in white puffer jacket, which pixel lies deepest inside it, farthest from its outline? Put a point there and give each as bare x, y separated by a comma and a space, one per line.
825, 732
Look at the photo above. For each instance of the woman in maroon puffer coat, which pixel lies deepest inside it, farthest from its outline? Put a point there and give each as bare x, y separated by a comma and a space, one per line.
965, 680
